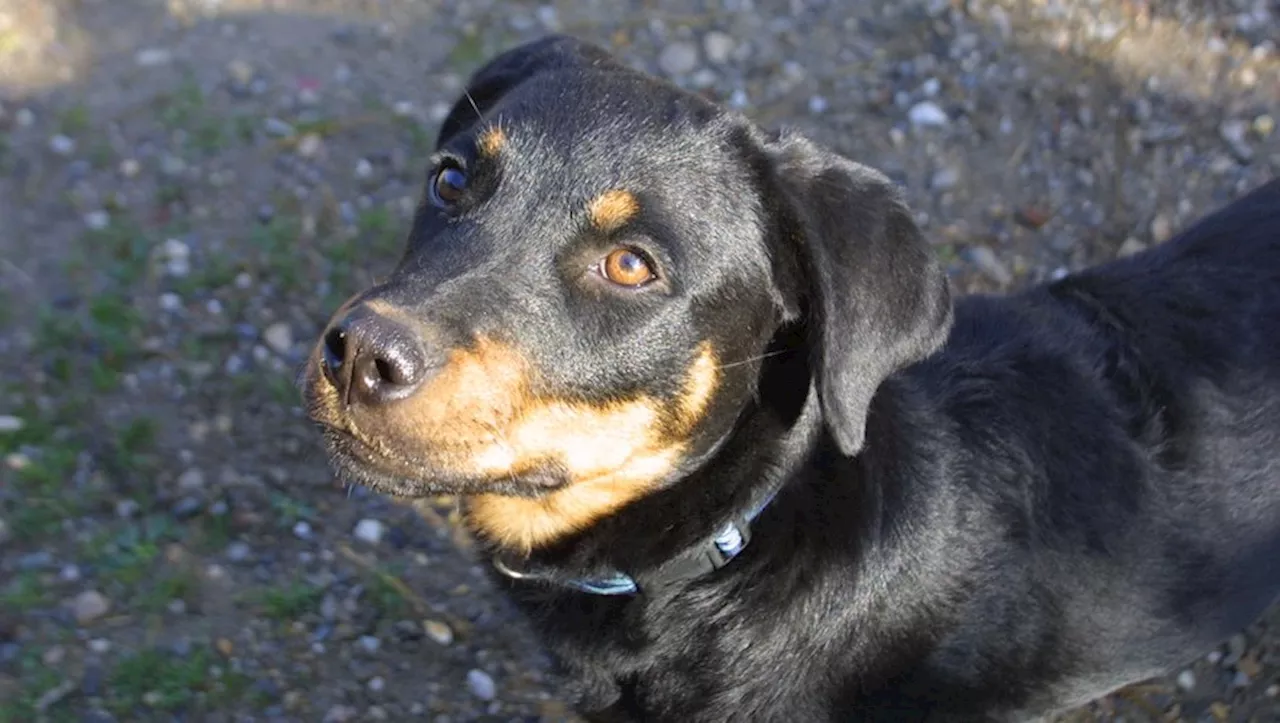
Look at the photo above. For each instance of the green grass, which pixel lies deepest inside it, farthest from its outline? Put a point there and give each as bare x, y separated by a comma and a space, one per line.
24, 592
161, 681
279, 252
74, 120
180, 584
288, 602
34, 680
127, 555
41, 484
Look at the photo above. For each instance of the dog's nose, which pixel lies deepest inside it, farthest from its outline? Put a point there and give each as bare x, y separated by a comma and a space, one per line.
372, 359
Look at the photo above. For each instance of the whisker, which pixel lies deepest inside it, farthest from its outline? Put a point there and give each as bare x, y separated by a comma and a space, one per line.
472, 101
754, 359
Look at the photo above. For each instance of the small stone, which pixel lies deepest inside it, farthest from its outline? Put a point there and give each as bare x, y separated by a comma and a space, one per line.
24, 117
678, 58
718, 47
1236, 646
989, 264
238, 551
1032, 217
97, 220
152, 57
99, 646
438, 631
340, 714
170, 302
279, 337
370, 531
1220, 710
739, 99
927, 114
931, 87
481, 685
403, 109
439, 111
302, 530
817, 104
62, 145
191, 480
1161, 228
1273, 690
126, 508
1130, 247
177, 606
265, 213
152, 698
364, 169
187, 508
1241, 679
69, 573
224, 647
240, 72
549, 17
309, 145
172, 165
277, 128
946, 178
1214, 657
10, 424
53, 655
130, 168
370, 644
1186, 681
89, 606
377, 684
1264, 125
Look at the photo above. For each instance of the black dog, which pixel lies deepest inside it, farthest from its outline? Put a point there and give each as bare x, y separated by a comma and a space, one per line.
706, 398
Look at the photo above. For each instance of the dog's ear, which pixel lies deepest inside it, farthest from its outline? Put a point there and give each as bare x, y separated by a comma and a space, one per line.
513, 67
875, 296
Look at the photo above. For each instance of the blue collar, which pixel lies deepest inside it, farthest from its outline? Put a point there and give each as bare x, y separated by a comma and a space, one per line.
707, 556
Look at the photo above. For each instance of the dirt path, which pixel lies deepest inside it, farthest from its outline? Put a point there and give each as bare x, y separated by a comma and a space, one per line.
188, 187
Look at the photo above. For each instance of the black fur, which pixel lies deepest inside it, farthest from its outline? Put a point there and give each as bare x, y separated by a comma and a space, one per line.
992, 511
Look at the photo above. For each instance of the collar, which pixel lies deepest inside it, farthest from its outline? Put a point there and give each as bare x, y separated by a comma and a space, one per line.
707, 556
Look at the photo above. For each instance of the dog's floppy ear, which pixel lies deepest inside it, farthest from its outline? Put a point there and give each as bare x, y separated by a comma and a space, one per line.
511, 68
876, 297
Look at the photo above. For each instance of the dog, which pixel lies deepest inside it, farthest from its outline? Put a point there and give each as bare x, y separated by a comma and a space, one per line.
737, 450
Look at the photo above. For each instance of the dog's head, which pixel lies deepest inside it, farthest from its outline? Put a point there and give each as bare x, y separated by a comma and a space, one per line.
598, 264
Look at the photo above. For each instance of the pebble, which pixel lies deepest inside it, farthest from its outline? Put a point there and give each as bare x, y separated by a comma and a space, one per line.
1161, 228
97, 220
309, 145
377, 684
1273, 690
1233, 132
24, 117
818, 104
99, 646
152, 57
1186, 680
69, 573
279, 337
1264, 125
130, 167
927, 114
370, 531
364, 169
302, 530
240, 72
989, 264
340, 714
946, 178
1130, 247
191, 480
239, 551
10, 424
1236, 646
370, 644
89, 606
678, 58
187, 508
37, 560
277, 128
126, 508
481, 685
170, 302
718, 47
62, 145
438, 631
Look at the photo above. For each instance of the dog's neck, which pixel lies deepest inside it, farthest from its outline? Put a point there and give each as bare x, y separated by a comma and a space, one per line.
687, 529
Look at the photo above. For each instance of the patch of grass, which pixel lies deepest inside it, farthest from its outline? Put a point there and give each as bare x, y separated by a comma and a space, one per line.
290, 510
288, 602
43, 500
158, 680
122, 248
74, 120
181, 584
277, 244
385, 595
183, 106
24, 592
35, 679
127, 555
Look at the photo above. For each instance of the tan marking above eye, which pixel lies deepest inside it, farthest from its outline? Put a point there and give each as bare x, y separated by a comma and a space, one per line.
611, 210
491, 141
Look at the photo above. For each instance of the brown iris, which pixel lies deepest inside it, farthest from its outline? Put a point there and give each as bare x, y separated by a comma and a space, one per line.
626, 268
448, 187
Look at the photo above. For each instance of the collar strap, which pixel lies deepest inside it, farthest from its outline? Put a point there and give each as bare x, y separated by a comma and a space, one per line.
704, 558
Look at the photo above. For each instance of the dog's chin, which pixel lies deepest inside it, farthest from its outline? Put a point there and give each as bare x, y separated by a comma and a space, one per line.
355, 463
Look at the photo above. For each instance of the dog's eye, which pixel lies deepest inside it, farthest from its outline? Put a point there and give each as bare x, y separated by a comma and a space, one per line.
448, 186
625, 267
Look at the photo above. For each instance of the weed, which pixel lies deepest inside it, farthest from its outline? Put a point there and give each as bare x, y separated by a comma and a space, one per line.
289, 602
74, 120
24, 592
164, 681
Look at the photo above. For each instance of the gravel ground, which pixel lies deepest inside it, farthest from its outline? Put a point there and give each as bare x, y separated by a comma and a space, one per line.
188, 188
